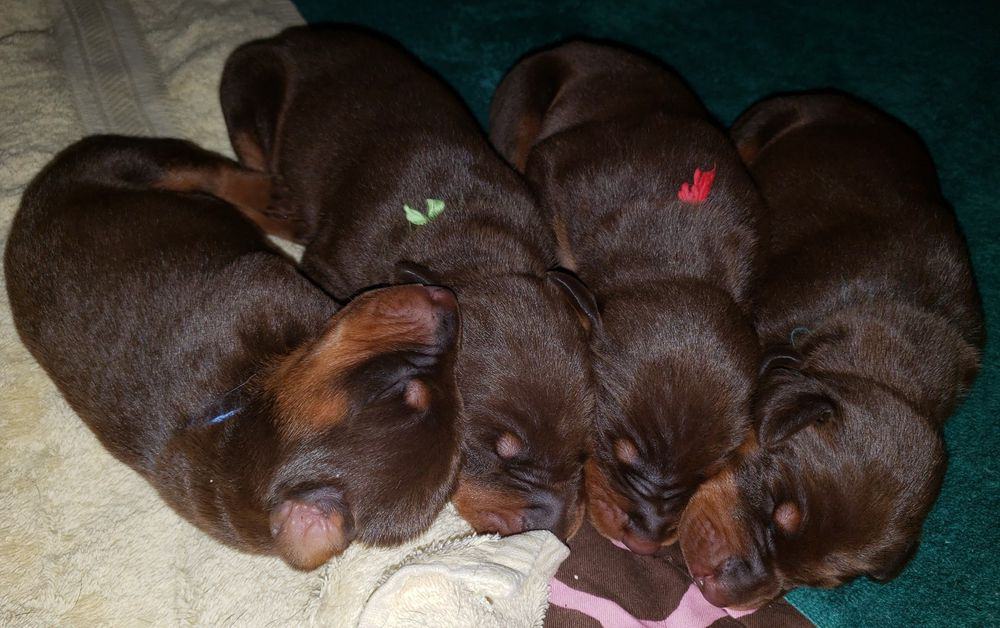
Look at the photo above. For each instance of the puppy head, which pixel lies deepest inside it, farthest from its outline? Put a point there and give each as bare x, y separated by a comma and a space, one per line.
835, 483
673, 405
366, 418
526, 386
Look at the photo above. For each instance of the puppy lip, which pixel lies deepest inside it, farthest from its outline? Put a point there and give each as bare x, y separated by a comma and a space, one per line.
641, 546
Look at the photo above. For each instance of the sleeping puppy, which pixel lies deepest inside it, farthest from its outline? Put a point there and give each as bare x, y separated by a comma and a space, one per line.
201, 358
384, 176
655, 212
872, 330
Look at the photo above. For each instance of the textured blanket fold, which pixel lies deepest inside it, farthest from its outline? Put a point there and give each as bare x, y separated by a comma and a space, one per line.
83, 539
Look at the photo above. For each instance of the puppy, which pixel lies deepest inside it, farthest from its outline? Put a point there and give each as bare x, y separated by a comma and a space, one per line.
202, 359
384, 176
655, 212
872, 330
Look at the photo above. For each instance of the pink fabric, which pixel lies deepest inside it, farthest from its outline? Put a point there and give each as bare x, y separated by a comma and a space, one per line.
693, 611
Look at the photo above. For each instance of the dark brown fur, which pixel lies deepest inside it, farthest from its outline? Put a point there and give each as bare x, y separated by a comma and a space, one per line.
607, 138
872, 330
155, 310
352, 128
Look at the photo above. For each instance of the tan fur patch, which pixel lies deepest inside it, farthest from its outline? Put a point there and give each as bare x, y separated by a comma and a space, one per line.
709, 527
247, 190
249, 152
564, 252
607, 507
308, 384
475, 500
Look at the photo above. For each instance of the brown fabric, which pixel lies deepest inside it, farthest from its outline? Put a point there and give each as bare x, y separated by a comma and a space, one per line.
647, 587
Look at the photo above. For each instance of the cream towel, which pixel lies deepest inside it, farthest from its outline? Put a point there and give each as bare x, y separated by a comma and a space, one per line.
83, 540
476, 581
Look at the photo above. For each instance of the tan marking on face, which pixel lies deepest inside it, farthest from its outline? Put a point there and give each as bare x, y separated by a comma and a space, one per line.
626, 451
508, 446
710, 530
788, 517
308, 385
417, 395
479, 503
607, 508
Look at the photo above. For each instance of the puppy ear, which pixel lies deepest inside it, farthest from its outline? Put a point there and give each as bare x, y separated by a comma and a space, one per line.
411, 272
895, 563
311, 527
788, 414
579, 295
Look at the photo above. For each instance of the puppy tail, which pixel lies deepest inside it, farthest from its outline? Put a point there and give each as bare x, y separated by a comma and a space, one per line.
521, 102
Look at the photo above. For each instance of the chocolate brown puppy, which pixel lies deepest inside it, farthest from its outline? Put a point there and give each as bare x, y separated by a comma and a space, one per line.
872, 329
656, 213
202, 359
384, 176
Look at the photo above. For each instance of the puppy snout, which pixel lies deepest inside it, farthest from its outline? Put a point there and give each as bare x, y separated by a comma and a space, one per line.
639, 543
731, 582
443, 297
544, 512
433, 309
504, 522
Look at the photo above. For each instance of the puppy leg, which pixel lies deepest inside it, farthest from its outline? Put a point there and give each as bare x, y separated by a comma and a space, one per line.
247, 190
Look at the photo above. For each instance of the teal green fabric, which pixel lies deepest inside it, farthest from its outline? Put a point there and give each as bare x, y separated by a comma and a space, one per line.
933, 64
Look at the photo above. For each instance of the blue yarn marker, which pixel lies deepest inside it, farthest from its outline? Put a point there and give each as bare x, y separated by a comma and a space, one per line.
798, 331
219, 418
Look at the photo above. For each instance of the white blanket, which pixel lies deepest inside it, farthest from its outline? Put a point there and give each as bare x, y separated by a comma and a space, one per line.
83, 540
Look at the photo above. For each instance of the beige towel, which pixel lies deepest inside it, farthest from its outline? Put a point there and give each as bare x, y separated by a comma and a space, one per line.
83, 540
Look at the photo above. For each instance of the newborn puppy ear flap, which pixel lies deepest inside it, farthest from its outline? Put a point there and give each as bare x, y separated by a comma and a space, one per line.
788, 414
411, 272
895, 563
311, 527
579, 295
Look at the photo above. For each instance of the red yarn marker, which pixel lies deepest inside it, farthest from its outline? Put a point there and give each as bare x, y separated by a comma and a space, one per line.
697, 192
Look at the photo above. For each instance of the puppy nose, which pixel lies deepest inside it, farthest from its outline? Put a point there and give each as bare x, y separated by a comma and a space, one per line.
732, 579
431, 308
638, 544
712, 590
442, 297
544, 512
504, 522
413, 299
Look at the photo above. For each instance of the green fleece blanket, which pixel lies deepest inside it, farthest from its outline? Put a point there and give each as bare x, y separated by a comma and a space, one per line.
934, 65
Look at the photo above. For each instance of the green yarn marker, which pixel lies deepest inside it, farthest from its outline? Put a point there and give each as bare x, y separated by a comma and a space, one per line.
435, 207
